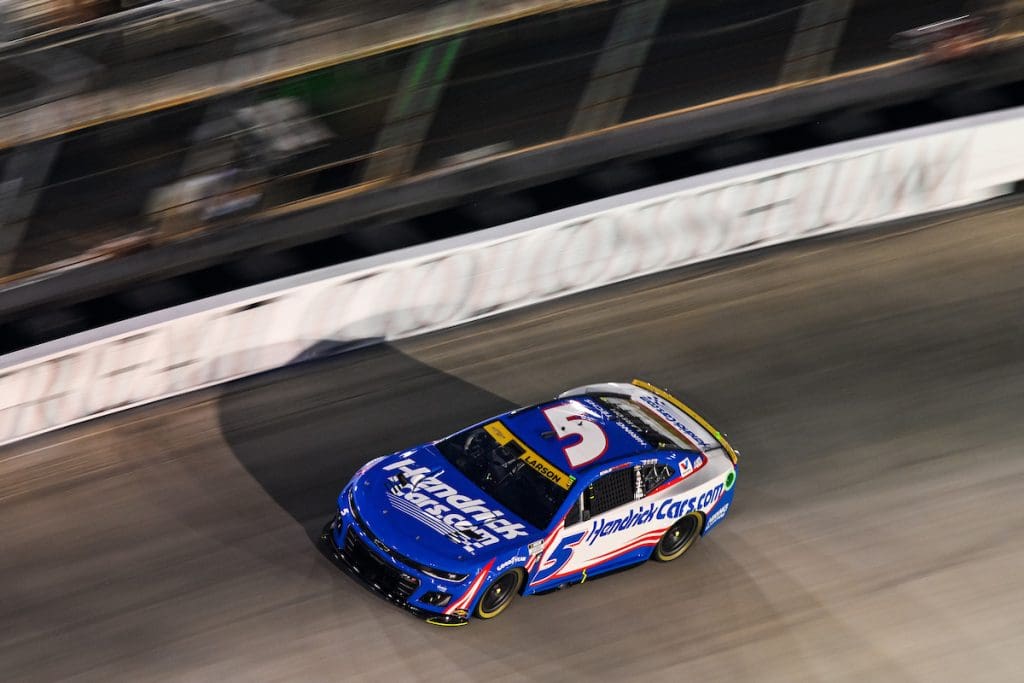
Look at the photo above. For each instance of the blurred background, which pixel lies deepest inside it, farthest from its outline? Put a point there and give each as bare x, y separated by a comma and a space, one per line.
156, 152
206, 144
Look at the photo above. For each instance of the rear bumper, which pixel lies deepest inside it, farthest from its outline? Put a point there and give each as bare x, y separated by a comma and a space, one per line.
351, 566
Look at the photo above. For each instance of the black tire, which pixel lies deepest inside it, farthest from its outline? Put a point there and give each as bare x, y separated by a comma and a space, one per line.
678, 539
499, 594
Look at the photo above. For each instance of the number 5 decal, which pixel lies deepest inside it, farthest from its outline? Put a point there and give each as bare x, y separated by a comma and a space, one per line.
557, 558
569, 420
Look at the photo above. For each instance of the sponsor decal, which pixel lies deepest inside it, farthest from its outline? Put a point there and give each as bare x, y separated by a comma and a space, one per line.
501, 433
730, 479
609, 470
685, 466
668, 509
465, 520
717, 517
608, 417
658, 406
518, 559
604, 527
688, 465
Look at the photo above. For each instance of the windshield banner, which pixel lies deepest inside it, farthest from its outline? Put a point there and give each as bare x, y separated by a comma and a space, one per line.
503, 436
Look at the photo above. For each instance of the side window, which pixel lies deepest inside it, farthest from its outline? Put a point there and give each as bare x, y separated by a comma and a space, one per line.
650, 477
610, 491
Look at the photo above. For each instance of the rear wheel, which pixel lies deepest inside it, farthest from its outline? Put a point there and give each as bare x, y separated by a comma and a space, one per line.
499, 594
678, 539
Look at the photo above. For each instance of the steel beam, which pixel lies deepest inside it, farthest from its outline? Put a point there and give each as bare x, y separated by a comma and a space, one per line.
23, 180
813, 47
412, 109
622, 56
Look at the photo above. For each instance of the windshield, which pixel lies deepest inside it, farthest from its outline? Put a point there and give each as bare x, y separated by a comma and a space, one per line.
508, 471
650, 427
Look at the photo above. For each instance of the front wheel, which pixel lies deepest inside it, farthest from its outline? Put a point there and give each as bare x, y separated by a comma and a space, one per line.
499, 594
678, 539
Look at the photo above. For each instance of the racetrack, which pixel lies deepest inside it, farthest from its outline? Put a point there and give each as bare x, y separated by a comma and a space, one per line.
874, 384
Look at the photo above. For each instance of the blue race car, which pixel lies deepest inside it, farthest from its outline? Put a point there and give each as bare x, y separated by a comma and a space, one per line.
605, 476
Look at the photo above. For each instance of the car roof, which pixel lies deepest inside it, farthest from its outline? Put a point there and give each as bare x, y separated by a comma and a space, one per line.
536, 427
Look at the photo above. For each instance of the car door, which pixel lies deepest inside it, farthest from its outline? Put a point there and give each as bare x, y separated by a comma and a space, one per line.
610, 525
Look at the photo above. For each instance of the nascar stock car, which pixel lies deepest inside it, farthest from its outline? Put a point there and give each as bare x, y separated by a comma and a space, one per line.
605, 476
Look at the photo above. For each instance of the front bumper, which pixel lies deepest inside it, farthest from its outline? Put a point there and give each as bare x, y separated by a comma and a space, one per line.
378, 575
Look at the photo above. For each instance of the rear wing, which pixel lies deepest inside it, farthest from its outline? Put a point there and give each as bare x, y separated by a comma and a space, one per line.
718, 436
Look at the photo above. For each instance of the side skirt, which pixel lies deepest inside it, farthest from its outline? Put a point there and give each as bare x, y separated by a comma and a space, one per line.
579, 578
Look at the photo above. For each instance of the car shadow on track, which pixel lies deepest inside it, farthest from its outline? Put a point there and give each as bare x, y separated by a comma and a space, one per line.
302, 431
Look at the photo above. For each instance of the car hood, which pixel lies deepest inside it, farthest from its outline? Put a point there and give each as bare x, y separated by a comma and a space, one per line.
418, 504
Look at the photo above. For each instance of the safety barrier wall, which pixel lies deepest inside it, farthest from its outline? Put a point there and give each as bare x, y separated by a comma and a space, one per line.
444, 283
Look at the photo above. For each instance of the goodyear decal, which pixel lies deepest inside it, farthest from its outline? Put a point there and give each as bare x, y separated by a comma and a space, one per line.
503, 436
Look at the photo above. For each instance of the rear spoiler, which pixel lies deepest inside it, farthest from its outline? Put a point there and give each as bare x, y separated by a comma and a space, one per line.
733, 454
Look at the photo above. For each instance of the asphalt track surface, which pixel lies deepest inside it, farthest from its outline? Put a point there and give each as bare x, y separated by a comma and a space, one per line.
874, 384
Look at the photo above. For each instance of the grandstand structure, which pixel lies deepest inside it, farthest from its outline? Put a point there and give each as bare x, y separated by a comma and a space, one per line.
130, 125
